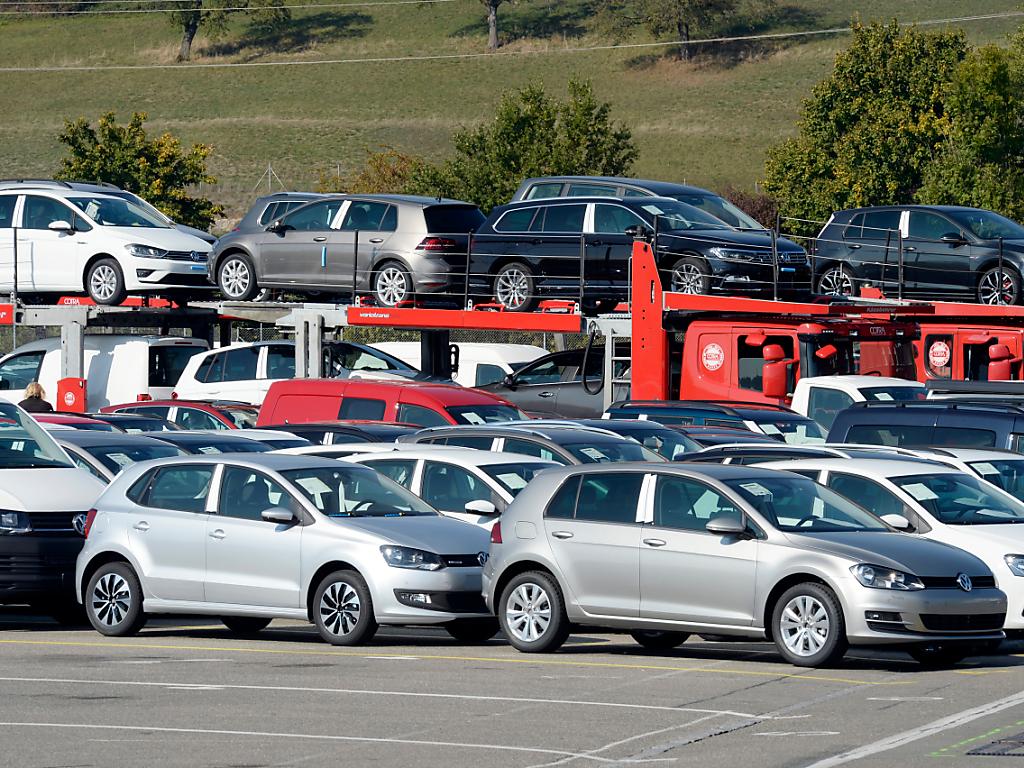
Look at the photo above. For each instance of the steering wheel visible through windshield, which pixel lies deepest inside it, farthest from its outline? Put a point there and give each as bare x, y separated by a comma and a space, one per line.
674, 216
355, 492
115, 212
799, 505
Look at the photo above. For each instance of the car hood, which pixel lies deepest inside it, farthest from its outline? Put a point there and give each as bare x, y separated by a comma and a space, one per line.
727, 237
170, 239
902, 551
443, 535
48, 490
1007, 537
206, 237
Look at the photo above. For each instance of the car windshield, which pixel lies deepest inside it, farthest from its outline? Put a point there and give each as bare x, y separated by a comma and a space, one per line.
117, 457
1007, 474
675, 216
514, 477
603, 452
961, 499
484, 414
344, 357
94, 426
666, 442
799, 505
243, 418
24, 444
793, 431
214, 445
988, 225
355, 492
722, 209
115, 212
894, 393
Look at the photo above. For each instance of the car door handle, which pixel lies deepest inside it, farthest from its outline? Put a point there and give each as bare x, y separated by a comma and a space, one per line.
909, 249
597, 242
142, 525
376, 239
546, 394
561, 534
217, 534
536, 241
854, 246
319, 239
654, 542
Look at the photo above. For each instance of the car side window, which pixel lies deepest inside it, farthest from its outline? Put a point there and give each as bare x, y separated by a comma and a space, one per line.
20, 371
420, 416
591, 190
245, 495
183, 488
750, 360
866, 493
280, 362
881, 225
564, 219
367, 215
7, 203
361, 408
929, 226
240, 364
614, 219
157, 411
687, 505
467, 441
83, 464
193, 418
855, 229
895, 435
563, 503
531, 448
609, 497
517, 220
399, 470
823, 403
547, 371
450, 488
547, 189
314, 217
488, 374
41, 212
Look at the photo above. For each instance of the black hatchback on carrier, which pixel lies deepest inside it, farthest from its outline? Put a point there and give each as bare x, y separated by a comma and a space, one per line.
580, 247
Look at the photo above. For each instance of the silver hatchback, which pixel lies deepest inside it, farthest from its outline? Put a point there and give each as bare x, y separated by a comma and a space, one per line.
252, 537
664, 550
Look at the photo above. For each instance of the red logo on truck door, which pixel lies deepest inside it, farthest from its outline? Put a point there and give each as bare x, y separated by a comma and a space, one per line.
939, 354
713, 356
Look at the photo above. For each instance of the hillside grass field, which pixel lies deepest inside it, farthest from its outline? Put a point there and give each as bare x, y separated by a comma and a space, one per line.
707, 122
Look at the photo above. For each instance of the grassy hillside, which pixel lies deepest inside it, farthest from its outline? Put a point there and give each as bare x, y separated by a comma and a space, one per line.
708, 122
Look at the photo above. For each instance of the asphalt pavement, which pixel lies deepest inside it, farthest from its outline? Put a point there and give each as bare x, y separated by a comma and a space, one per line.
188, 693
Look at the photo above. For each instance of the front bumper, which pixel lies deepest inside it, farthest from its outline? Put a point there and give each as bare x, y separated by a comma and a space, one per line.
152, 273
33, 566
452, 593
759, 276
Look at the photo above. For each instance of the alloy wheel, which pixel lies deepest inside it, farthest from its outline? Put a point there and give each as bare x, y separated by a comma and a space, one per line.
687, 278
103, 282
512, 288
392, 286
997, 288
111, 599
235, 278
836, 282
804, 625
340, 608
528, 612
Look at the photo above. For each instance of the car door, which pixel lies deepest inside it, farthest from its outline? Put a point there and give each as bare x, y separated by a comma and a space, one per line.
609, 248
687, 573
448, 488
592, 527
301, 252
557, 250
238, 371
872, 496
54, 257
875, 253
535, 388
167, 531
251, 561
8, 206
375, 224
510, 238
930, 265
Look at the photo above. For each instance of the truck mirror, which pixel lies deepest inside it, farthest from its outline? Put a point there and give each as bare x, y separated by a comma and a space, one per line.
756, 339
773, 380
826, 352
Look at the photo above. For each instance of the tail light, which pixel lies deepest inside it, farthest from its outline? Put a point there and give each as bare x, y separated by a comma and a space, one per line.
143, 397
496, 533
436, 244
90, 516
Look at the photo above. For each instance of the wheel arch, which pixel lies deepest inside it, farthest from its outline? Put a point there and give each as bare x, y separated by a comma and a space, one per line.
791, 580
521, 567
99, 560
92, 260
214, 266
318, 576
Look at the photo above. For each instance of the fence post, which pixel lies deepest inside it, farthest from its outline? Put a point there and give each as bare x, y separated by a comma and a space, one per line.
1001, 276
469, 257
583, 258
14, 291
899, 290
775, 265
355, 266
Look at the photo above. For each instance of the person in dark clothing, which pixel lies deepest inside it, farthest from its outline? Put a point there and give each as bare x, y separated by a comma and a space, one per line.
35, 399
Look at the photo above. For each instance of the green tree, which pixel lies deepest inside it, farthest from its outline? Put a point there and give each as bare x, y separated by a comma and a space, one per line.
981, 160
212, 15
159, 170
678, 19
869, 130
532, 134
386, 171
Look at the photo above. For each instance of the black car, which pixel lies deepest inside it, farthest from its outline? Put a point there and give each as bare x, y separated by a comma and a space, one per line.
948, 252
337, 432
203, 443
707, 437
668, 442
578, 248
133, 423
104, 454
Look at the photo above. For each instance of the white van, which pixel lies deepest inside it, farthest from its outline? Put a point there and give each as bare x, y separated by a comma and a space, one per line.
479, 364
118, 368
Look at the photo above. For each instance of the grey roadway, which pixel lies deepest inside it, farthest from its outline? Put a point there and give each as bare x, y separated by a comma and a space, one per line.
189, 694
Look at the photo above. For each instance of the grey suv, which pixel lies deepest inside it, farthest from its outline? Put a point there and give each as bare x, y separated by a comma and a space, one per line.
395, 246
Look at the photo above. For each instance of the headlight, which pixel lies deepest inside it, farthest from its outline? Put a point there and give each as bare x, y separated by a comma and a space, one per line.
407, 557
14, 522
735, 254
1015, 563
877, 577
145, 251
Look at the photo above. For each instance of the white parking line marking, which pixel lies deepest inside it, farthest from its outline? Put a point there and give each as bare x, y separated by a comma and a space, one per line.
394, 658
921, 732
316, 737
411, 694
798, 733
905, 698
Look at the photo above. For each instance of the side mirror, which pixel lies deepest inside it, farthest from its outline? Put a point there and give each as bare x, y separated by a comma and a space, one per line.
509, 381
278, 227
278, 515
638, 232
60, 226
727, 524
953, 238
899, 522
481, 507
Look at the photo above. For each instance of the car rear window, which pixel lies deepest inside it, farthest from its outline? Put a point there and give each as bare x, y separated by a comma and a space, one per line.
453, 219
921, 437
167, 363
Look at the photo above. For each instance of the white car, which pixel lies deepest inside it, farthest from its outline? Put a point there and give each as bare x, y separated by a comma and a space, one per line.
74, 242
464, 483
479, 363
940, 502
1004, 469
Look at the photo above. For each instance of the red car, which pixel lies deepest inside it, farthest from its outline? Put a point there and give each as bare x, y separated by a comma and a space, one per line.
424, 404
193, 414
73, 421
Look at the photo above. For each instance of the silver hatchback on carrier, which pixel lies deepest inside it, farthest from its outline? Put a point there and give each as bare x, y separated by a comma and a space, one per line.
249, 538
663, 551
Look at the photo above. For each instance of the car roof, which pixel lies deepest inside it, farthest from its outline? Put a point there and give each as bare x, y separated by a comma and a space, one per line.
652, 185
631, 202
255, 434
187, 436
910, 207
451, 394
270, 460
969, 454
65, 418
87, 438
422, 201
720, 472
905, 465
726, 407
561, 433
58, 193
462, 456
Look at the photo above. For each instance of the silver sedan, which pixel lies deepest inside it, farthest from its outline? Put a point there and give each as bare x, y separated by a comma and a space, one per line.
664, 550
252, 537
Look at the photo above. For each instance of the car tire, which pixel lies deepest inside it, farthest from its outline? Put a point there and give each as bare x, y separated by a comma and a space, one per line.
236, 278
113, 600
939, 655
837, 281
808, 626
658, 640
532, 613
392, 284
343, 609
990, 291
104, 282
472, 631
691, 276
515, 287
245, 625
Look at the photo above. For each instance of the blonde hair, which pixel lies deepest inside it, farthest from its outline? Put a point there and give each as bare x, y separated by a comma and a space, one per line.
35, 389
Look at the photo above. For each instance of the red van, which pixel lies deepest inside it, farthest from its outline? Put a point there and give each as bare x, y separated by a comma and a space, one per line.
296, 401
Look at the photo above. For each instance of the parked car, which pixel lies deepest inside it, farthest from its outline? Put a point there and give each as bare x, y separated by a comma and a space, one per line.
665, 441
104, 454
73, 421
245, 371
1004, 469
348, 432
931, 423
274, 439
207, 443
948, 252
269, 208
253, 538
43, 503
773, 420
118, 368
706, 436
472, 486
580, 248
612, 186
408, 246
729, 551
941, 503
194, 414
480, 364
423, 404
561, 443
822, 397
98, 244
134, 423
758, 453
344, 450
